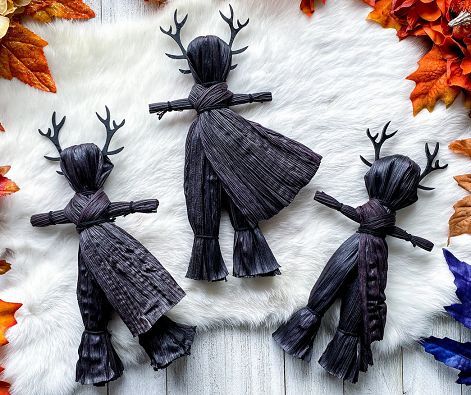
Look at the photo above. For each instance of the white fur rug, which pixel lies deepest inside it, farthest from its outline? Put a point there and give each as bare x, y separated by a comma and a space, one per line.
332, 76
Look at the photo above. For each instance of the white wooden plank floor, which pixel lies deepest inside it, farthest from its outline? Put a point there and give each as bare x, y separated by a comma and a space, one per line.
246, 361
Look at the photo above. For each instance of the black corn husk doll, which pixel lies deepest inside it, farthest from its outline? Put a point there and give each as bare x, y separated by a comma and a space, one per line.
115, 271
356, 273
253, 171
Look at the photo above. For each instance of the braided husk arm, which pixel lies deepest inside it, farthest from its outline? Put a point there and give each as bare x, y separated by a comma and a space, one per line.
242, 98
117, 209
168, 106
50, 218
329, 201
416, 241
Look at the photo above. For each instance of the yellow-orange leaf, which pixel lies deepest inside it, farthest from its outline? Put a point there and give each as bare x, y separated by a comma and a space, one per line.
431, 82
7, 318
460, 221
4, 266
4, 386
46, 10
307, 6
7, 186
461, 147
22, 56
464, 181
382, 14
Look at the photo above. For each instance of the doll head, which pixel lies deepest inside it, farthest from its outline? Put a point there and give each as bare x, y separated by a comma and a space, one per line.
85, 166
395, 179
209, 57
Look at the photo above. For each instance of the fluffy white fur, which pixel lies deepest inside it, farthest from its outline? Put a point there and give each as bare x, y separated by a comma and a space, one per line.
332, 76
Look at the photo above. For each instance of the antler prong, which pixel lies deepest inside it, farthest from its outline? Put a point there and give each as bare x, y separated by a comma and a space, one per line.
234, 30
110, 131
378, 144
177, 35
432, 164
175, 57
239, 51
53, 135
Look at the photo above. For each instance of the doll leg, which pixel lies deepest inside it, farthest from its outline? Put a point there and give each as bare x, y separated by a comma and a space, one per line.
98, 362
167, 341
252, 255
345, 355
297, 335
203, 201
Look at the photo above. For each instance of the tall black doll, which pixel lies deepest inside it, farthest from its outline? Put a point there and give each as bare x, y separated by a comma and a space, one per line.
357, 271
115, 272
229, 160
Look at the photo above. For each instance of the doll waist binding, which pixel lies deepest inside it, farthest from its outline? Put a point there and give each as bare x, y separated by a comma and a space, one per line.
88, 224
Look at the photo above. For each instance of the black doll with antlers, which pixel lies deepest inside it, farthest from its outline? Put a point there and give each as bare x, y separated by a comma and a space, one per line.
253, 171
356, 273
115, 271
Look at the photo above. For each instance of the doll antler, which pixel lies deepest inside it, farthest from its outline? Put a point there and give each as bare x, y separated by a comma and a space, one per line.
234, 30
431, 166
177, 38
378, 144
110, 131
53, 135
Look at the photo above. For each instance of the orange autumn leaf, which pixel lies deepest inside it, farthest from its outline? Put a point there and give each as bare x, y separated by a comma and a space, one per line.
460, 222
7, 186
461, 147
460, 5
22, 56
431, 82
2, 129
4, 266
307, 6
46, 10
464, 181
7, 318
4, 386
382, 15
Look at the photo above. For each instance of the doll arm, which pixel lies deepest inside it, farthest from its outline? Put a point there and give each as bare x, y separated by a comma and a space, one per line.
168, 106
415, 240
117, 209
330, 202
50, 218
242, 98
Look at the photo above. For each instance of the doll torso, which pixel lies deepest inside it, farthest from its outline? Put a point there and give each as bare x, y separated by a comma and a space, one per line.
208, 98
375, 218
87, 209
375, 221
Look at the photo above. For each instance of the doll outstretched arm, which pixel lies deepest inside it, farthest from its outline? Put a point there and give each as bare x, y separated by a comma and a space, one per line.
50, 218
117, 209
184, 104
331, 202
415, 240
242, 98
163, 107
